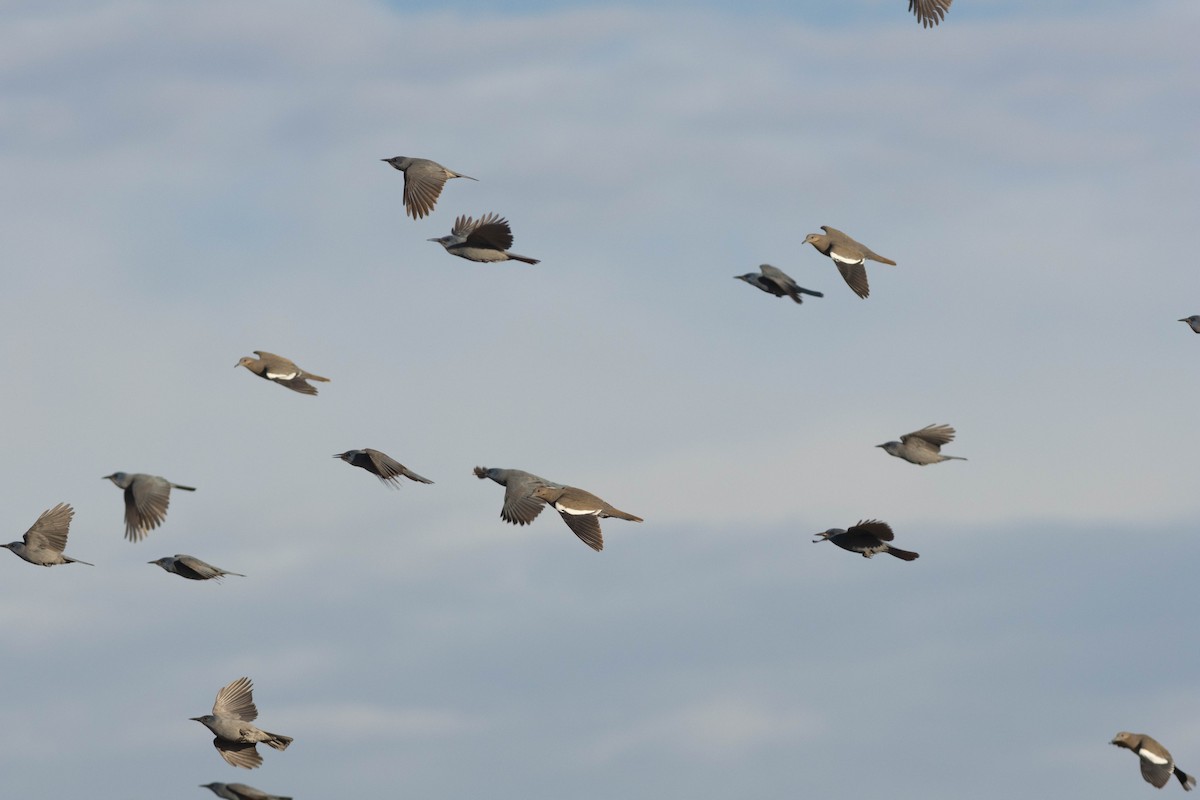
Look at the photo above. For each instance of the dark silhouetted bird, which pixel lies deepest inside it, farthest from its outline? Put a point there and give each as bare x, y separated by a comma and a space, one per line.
867, 537
146, 499
280, 370
45, 541
849, 256
423, 182
381, 465
582, 511
485, 240
240, 791
777, 282
1157, 764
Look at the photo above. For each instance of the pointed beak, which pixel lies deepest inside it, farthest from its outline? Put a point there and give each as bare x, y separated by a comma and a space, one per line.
879, 445
194, 719
432, 240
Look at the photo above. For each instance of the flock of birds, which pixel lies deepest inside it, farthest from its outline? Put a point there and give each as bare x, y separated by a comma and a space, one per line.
488, 239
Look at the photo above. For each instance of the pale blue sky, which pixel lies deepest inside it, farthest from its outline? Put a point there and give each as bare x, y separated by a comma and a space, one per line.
186, 183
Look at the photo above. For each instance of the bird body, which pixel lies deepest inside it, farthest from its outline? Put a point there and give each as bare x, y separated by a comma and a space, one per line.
520, 507
777, 282
924, 446
929, 12
240, 791
381, 465
423, 182
1193, 322
582, 510
1156, 762
230, 721
280, 370
867, 538
487, 239
44, 542
192, 568
146, 500
849, 255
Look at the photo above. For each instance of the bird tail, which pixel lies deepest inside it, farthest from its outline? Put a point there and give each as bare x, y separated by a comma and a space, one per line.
277, 741
185, 488
952, 458
526, 259
70, 560
480, 472
619, 514
881, 259
802, 290
408, 473
312, 377
905, 555
1188, 781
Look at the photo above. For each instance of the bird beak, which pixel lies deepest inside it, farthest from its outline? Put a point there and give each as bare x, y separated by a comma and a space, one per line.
151, 562
338, 455
431, 240
107, 477
879, 445
194, 719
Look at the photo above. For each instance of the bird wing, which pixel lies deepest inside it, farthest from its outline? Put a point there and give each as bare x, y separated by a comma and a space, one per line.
873, 528
463, 226
423, 182
244, 792
855, 275
492, 231
929, 12
520, 506
201, 569
775, 274
586, 526
146, 502
933, 435
236, 700
1155, 769
239, 754
50, 530
386, 466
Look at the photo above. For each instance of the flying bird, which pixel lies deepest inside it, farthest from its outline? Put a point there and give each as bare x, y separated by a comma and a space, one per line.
44, 542
866, 537
929, 12
777, 282
849, 256
582, 511
232, 713
423, 182
240, 791
1157, 764
192, 568
381, 465
924, 446
146, 499
520, 506
280, 370
485, 240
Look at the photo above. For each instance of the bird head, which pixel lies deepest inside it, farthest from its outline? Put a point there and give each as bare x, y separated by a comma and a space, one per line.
399, 162
118, 478
346, 456
162, 562
445, 241
245, 361
208, 720
890, 447
826, 535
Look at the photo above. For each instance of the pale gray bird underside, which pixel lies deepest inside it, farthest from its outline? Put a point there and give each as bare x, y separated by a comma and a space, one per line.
240, 791
487, 239
423, 182
283, 371
381, 465
1156, 762
146, 500
849, 256
929, 12
192, 568
867, 538
777, 282
582, 511
924, 446
520, 506
44, 542
230, 721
